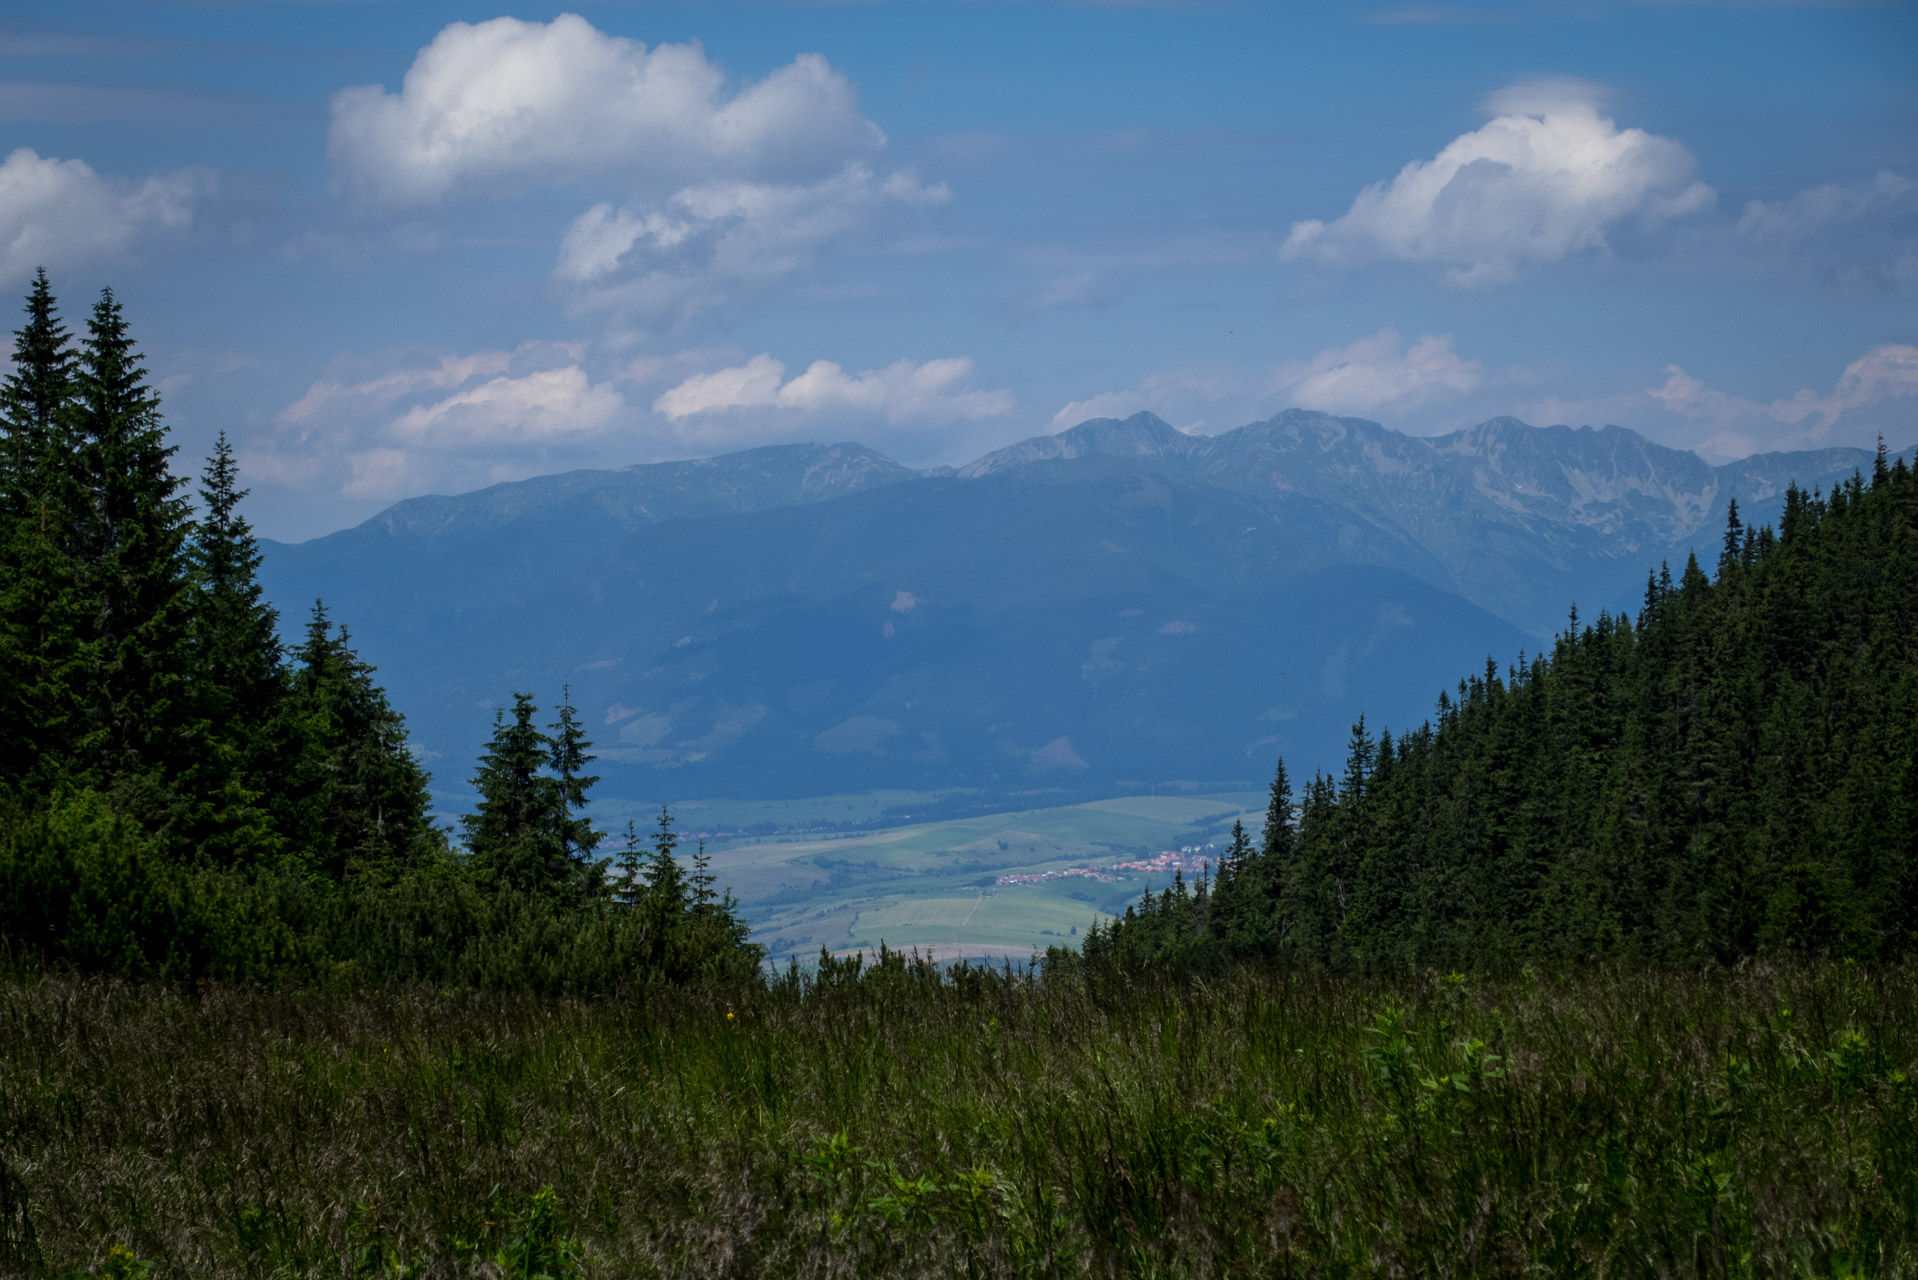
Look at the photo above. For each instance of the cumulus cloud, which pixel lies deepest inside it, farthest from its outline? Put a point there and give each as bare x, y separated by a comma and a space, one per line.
1874, 395
903, 391
508, 103
1377, 372
56, 213
1547, 177
700, 190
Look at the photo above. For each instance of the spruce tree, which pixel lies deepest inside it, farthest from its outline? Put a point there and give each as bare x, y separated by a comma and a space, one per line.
130, 537
42, 612
234, 680
1277, 837
349, 794
666, 888
36, 403
569, 757
632, 876
235, 632
517, 836
702, 879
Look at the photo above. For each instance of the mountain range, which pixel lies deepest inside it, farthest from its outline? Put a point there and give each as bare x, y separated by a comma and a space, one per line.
1117, 606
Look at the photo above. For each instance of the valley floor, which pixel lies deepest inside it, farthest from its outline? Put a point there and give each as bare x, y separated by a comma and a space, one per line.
1000, 886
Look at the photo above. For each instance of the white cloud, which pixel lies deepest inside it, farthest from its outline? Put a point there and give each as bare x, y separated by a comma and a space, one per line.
507, 103
1873, 395
1547, 177
755, 383
1377, 372
56, 213
699, 190
536, 406
903, 391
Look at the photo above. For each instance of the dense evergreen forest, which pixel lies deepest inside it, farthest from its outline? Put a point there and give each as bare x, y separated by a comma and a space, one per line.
1734, 771
179, 797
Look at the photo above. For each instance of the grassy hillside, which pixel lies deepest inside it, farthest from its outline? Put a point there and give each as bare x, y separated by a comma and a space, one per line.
1762, 1122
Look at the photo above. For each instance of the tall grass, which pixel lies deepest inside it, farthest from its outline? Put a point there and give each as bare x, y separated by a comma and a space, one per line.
905, 1122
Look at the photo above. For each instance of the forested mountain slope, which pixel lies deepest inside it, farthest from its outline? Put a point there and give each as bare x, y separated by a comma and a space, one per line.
1731, 769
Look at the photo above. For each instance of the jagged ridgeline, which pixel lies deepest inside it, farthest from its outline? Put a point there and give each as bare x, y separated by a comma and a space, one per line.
1732, 772
180, 797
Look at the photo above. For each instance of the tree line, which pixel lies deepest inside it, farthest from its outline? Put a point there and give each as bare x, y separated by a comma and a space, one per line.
182, 794
1733, 771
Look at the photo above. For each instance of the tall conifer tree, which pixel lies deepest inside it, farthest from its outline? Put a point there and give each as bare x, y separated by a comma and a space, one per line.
36, 403
42, 706
517, 836
1277, 837
130, 538
354, 799
570, 756
235, 631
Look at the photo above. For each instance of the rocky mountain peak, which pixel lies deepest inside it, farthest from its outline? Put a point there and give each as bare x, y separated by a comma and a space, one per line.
1143, 435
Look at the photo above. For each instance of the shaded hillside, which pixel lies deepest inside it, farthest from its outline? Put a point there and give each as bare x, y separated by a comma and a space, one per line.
1116, 604
1055, 626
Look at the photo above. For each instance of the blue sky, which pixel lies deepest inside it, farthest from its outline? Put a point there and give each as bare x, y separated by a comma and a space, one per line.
395, 248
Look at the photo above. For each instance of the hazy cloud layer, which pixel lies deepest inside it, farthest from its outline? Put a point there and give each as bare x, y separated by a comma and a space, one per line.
703, 244
1375, 376
1863, 235
458, 423
904, 391
1547, 177
59, 213
1379, 372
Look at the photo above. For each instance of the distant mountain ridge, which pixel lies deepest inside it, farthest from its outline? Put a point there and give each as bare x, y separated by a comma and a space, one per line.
1594, 503
1118, 603
772, 476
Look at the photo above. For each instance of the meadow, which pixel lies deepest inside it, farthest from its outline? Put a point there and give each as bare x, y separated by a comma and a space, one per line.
910, 1120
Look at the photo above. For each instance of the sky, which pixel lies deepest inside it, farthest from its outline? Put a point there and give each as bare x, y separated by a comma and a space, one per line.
394, 248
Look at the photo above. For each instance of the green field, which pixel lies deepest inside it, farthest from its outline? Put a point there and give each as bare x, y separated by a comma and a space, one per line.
934, 885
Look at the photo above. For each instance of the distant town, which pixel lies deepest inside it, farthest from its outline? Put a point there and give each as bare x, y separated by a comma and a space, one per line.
1191, 860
